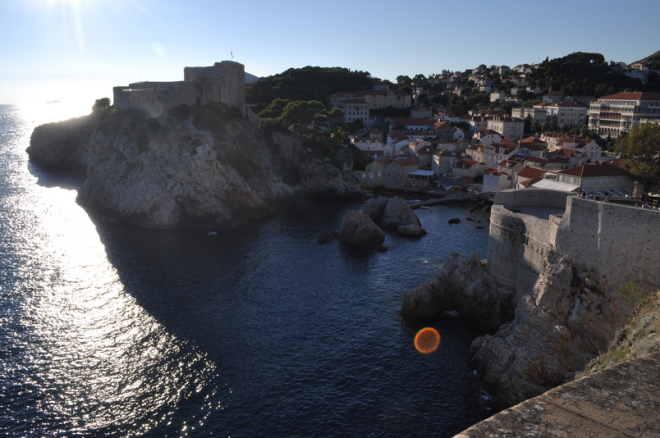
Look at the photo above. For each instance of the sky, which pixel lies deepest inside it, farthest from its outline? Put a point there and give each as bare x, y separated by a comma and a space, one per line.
80, 49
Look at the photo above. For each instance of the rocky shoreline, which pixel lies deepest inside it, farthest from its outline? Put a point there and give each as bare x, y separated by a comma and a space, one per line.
540, 338
207, 166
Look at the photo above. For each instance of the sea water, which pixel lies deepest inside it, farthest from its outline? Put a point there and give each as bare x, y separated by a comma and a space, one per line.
113, 330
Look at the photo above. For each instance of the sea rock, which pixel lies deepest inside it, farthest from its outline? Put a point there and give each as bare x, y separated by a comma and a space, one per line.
463, 285
359, 230
412, 230
454, 221
559, 326
375, 207
396, 213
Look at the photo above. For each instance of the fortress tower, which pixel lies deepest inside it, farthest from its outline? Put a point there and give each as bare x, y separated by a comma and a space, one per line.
223, 82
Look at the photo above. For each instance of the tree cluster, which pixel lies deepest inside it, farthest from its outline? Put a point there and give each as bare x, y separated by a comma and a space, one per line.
306, 84
298, 115
641, 149
583, 74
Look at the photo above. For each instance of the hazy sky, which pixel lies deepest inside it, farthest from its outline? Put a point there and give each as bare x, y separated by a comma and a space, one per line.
59, 49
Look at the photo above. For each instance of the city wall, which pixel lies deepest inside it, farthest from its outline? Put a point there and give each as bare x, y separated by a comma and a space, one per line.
619, 242
622, 243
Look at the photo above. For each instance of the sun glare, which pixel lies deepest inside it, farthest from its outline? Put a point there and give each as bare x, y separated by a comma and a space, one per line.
427, 340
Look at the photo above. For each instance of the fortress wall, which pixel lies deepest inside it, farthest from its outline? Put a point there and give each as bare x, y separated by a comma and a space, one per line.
533, 197
618, 241
518, 246
224, 82
155, 101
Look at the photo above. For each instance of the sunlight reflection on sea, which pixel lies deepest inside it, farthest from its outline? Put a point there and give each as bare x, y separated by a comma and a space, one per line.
110, 330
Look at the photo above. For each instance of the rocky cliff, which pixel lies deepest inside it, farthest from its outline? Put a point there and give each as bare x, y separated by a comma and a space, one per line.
541, 337
207, 166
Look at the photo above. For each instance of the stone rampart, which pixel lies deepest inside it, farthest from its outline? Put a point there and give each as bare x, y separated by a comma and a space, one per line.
518, 246
620, 242
621, 401
519, 243
532, 197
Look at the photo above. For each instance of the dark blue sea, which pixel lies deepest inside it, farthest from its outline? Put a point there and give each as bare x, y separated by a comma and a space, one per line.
111, 330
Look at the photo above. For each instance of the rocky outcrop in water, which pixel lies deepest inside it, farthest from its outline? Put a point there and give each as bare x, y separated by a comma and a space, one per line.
358, 229
465, 286
396, 214
207, 166
542, 336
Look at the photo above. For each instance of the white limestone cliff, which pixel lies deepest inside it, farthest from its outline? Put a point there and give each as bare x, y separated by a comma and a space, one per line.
207, 166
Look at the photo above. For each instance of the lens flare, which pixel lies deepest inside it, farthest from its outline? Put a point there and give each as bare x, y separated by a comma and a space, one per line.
427, 340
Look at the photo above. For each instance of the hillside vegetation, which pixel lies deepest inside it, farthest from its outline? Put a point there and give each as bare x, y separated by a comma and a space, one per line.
308, 83
587, 74
640, 336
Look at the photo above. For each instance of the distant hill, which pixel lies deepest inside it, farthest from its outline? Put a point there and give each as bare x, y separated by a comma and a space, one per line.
249, 78
653, 61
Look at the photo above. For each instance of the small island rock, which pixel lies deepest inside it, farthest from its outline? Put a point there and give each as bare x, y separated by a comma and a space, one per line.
359, 230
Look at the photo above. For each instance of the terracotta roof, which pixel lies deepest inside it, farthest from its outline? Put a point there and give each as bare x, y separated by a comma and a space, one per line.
529, 182
426, 150
406, 162
592, 170
485, 132
464, 163
384, 161
444, 124
530, 172
633, 96
532, 140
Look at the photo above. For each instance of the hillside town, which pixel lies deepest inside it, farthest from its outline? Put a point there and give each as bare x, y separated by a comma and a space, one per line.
520, 138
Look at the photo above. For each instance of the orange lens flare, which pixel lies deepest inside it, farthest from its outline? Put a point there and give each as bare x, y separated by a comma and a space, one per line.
427, 340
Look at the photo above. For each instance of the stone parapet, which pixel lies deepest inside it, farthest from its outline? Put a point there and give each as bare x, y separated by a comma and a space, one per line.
620, 401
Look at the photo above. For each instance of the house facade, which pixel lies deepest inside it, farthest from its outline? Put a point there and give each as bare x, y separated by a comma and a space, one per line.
611, 115
597, 177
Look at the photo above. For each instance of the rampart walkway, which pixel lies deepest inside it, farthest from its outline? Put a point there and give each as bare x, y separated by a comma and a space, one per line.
621, 401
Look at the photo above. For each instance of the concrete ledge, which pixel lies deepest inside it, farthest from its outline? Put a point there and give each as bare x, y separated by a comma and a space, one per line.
621, 401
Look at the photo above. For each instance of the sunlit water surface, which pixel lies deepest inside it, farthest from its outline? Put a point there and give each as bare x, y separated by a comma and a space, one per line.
109, 330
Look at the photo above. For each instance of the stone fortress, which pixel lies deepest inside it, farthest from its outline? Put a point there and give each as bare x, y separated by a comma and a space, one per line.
223, 82
619, 242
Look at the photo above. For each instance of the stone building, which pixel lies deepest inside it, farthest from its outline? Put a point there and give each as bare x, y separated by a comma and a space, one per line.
223, 82
616, 113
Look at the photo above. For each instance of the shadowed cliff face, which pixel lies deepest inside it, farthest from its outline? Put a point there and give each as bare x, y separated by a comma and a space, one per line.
207, 166
541, 336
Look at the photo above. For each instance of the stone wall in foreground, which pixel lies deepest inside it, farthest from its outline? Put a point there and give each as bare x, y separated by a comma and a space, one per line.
618, 242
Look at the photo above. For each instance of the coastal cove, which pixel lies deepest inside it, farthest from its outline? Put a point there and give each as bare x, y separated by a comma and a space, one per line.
110, 329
